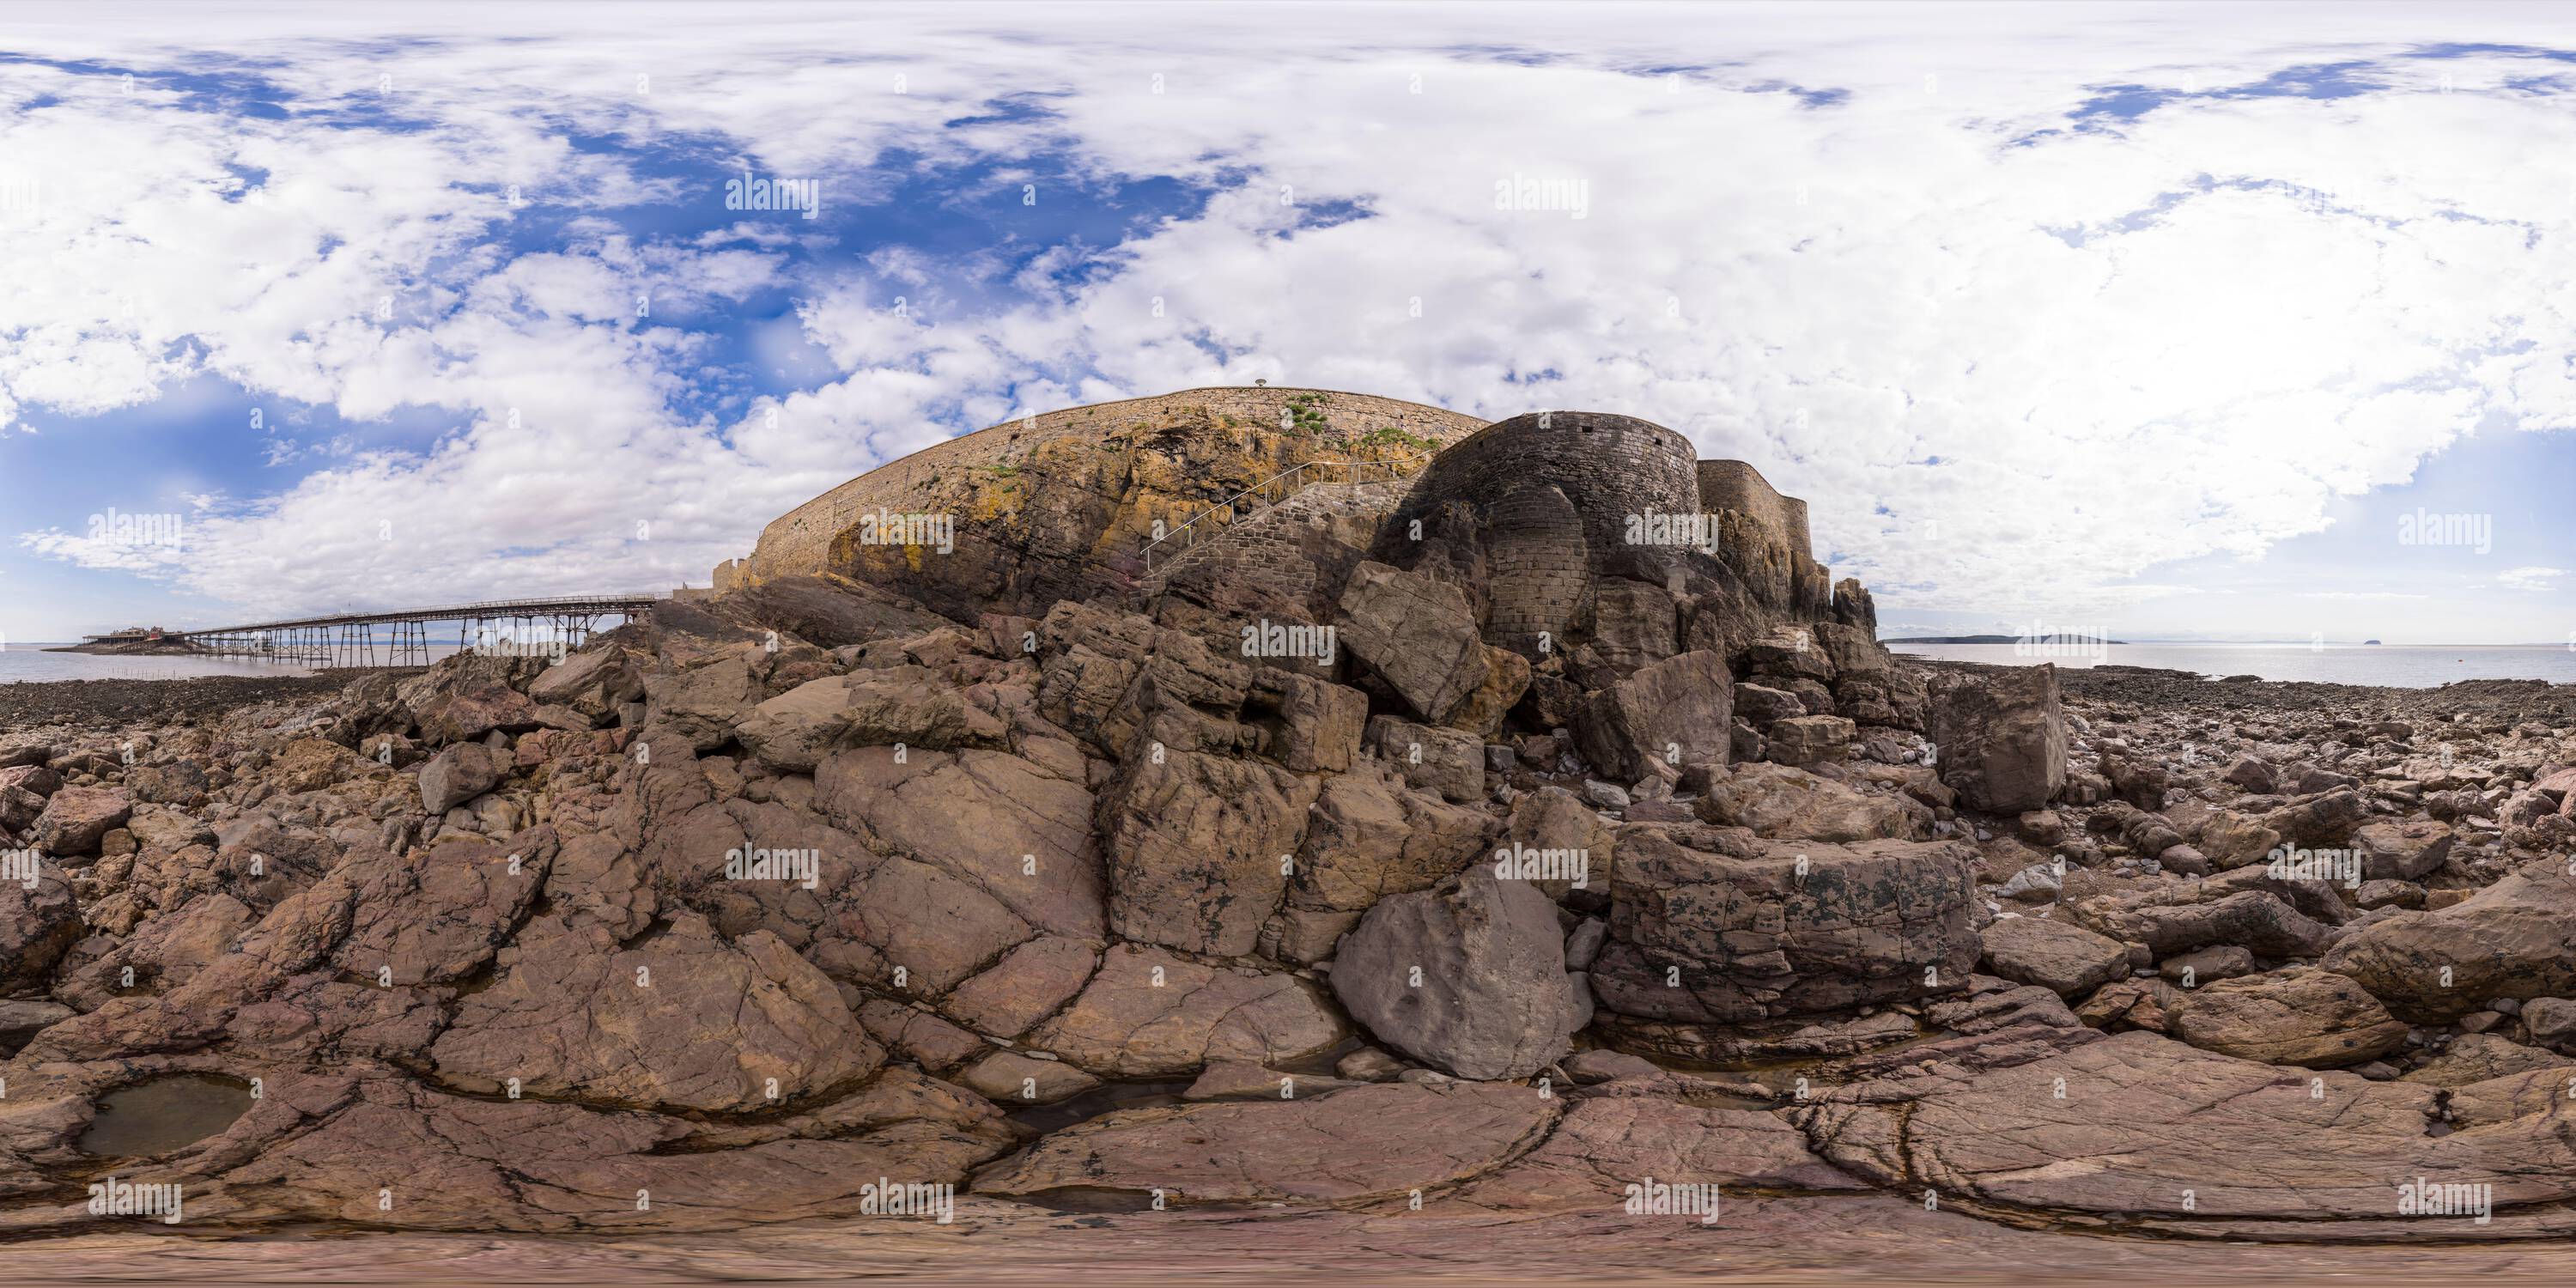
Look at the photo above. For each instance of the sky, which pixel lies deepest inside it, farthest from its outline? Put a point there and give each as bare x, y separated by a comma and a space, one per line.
2199, 321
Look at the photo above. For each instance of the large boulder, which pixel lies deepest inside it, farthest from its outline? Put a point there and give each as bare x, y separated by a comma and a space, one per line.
593, 682
1368, 837
2196, 916
1199, 849
1014, 1080
1783, 803
2301, 1016
1468, 976
76, 819
1417, 634
1805, 740
1448, 761
2327, 819
2508, 940
2002, 735
2402, 850
38, 920
1677, 712
1554, 826
459, 774
1715, 926
701, 703
909, 705
2062, 957
2477, 1057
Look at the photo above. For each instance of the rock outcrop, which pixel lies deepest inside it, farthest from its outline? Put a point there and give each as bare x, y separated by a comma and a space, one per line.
1468, 977
1377, 845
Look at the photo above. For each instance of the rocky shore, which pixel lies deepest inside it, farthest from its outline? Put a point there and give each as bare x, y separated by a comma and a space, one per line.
111, 704
1413, 891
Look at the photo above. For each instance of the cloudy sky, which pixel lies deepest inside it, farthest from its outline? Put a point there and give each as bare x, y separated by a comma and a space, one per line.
2204, 321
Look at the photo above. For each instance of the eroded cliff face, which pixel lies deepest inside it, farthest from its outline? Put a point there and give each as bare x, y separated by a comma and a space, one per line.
1349, 863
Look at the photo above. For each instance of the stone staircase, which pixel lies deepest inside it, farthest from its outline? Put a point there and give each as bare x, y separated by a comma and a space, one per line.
1267, 550
1250, 506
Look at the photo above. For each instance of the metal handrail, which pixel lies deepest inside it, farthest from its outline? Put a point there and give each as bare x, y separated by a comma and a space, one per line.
1227, 505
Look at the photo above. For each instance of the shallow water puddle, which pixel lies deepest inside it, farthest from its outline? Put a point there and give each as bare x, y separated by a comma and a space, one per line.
156, 1117
1108, 1097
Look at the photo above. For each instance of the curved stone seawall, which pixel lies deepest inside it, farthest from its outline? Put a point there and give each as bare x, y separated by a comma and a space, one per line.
801, 541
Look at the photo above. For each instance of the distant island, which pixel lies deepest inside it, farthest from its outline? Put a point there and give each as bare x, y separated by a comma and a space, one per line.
2367, 643
2009, 639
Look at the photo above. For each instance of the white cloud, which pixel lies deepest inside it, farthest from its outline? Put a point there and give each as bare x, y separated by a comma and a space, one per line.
2530, 578
2170, 337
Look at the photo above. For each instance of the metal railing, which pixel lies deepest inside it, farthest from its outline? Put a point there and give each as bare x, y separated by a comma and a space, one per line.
1278, 487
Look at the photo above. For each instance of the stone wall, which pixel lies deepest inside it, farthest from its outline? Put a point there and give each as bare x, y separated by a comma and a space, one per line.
802, 540
1735, 485
1607, 467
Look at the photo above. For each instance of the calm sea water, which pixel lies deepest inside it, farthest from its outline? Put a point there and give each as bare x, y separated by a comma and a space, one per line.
26, 662
2389, 666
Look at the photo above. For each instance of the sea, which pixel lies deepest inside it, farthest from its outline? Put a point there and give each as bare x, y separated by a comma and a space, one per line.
2395, 666
20, 663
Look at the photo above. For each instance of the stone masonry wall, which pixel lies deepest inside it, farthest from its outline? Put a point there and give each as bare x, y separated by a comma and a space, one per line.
1528, 513
1735, 485
800, 541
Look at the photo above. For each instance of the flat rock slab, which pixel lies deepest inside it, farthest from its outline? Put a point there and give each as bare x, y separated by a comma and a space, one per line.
1378, 1141
1631, 1131
384, 1152
1147, 1012
2148, 1125
683, 1020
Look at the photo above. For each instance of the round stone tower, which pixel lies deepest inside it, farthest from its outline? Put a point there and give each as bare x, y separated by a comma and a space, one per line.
1530, 514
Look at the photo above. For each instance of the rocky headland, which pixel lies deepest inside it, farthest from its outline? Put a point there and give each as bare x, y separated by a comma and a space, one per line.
1517, 852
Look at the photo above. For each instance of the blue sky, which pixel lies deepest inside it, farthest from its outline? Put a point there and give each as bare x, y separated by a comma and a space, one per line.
2151, 320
